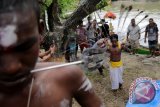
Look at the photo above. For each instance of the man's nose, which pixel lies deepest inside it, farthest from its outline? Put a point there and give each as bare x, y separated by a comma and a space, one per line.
9, 65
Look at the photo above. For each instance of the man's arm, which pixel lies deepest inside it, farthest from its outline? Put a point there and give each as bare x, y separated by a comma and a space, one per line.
84, 92
42, 54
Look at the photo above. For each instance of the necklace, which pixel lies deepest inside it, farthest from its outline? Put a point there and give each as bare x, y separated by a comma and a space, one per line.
30, 92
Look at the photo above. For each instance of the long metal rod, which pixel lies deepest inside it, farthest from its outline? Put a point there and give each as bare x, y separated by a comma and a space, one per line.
142, 19
122, 10
56, 66
138, 14
129, 9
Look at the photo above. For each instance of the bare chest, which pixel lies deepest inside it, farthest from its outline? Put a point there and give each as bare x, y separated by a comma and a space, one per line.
42, 98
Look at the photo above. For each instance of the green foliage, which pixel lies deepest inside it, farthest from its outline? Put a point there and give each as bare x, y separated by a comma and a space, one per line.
48, 2
143, 51
102, 4
68, 5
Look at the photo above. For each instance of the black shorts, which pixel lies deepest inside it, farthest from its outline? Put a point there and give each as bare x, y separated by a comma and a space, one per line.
152, 44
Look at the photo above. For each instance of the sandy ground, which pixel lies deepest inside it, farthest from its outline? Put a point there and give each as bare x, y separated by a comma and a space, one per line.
134, 67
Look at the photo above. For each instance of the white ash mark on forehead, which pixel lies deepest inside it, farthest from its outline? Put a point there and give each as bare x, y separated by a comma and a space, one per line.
86, 85
64, 103
8, 35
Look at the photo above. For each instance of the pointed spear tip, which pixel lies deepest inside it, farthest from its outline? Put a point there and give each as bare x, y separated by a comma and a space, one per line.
130, 7
146, 16
122, 6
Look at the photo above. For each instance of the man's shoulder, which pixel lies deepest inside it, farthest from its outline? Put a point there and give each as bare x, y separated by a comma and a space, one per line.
63, 74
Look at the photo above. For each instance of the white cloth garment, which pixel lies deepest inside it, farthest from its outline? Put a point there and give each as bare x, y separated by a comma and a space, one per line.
134, 32
116, 77
91, 31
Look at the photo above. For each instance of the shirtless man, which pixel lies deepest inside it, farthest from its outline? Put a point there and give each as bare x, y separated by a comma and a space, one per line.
116, 66
19, 48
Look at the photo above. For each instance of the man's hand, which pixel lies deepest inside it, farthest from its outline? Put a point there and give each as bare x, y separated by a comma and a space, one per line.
52, 49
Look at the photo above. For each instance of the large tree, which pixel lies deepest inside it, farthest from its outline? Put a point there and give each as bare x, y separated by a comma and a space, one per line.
84, 8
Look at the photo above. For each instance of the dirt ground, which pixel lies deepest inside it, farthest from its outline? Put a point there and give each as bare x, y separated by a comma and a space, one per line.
134, 67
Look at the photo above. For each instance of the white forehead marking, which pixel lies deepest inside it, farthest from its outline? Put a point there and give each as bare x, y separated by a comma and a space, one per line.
8, 35
64, 103
86, 86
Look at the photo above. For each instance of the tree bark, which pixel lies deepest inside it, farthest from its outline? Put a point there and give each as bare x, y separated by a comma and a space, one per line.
86, 8
55, 12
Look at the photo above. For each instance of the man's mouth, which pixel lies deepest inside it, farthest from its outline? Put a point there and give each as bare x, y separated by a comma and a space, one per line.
13, 80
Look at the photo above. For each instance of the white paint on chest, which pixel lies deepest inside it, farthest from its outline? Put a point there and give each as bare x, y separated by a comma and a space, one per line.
64, 103
8, 35
86, 86
41, 90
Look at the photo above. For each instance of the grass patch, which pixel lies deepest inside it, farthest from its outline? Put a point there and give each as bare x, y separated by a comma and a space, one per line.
143, 51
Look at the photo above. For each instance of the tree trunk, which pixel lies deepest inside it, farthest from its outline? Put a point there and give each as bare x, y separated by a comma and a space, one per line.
55, 12
85, 8
53, 15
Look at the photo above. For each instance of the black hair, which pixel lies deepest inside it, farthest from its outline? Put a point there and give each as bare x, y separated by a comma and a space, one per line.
103, 20
114, 36
80, 22
17, 5
133, 19
151, 19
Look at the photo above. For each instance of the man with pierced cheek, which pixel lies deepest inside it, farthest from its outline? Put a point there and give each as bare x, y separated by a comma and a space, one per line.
19, 47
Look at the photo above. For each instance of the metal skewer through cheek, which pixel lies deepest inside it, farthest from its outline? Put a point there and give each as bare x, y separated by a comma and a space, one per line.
56, 66
89, 57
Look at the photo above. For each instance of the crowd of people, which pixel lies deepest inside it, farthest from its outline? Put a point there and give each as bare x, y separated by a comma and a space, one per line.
85, 36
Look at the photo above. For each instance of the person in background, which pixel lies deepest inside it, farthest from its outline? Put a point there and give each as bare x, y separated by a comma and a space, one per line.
98, 34
105, 29
133, 36
152, 33
91, 29
45, 56
82, 36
